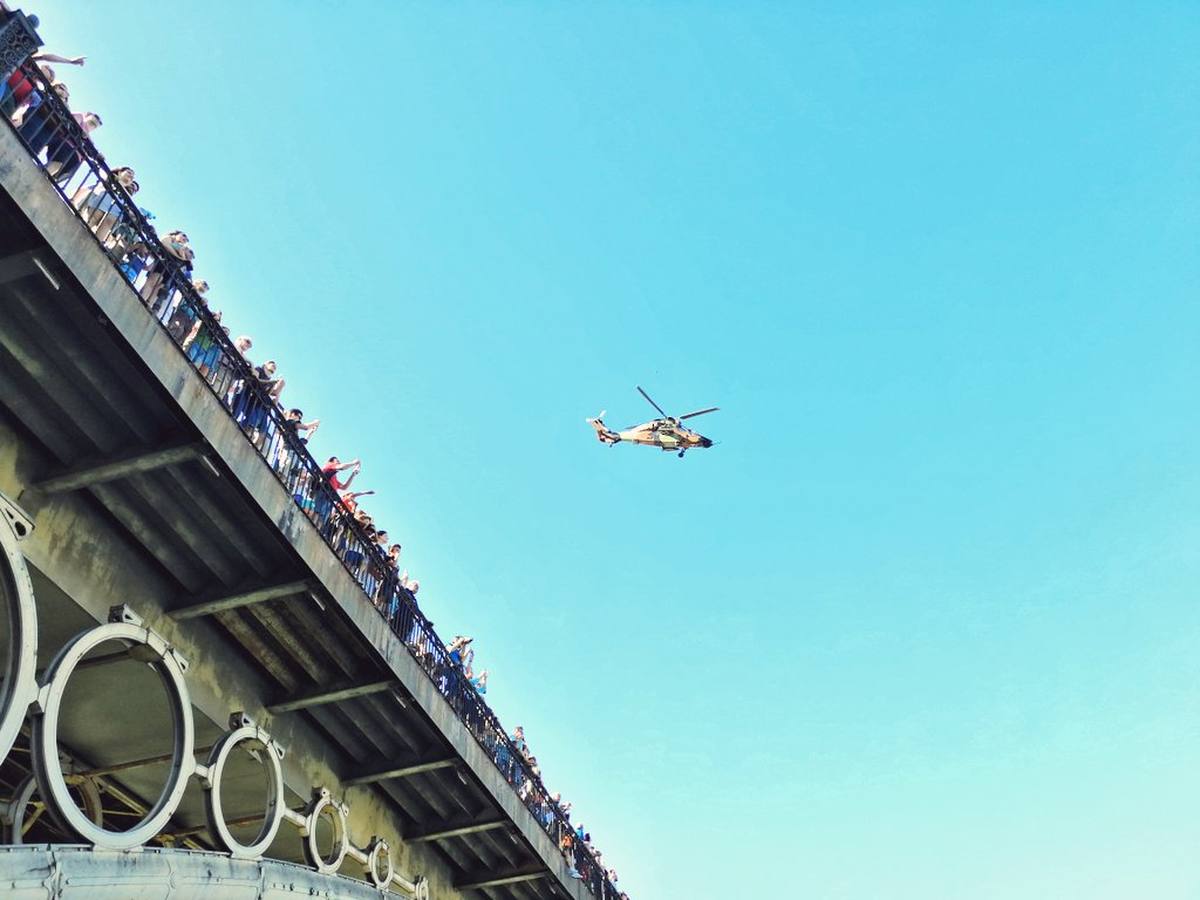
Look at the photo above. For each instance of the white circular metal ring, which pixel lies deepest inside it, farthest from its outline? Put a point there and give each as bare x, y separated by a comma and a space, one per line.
341, 837
53, 784
380, 877
14, 822
18, 678
93, 806
212, 792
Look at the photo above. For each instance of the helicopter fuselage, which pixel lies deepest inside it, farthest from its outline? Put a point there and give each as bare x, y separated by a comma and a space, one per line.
666, 434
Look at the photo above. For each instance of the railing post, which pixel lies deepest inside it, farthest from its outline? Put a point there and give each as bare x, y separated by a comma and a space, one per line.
18, 41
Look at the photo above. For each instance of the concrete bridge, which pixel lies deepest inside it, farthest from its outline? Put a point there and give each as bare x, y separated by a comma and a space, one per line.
133, 488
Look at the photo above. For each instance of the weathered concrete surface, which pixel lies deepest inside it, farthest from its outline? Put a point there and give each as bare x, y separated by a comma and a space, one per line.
72, 549
61, 872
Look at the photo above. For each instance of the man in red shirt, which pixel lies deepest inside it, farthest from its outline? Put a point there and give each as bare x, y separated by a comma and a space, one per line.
17, 88
329, 475
335, 465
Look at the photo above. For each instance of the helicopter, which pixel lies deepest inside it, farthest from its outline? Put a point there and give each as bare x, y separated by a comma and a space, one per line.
666, 432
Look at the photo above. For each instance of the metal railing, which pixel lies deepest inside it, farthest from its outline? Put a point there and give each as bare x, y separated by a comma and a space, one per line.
159, 275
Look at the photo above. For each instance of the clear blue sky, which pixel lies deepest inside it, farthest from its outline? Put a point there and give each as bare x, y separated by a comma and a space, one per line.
925, 623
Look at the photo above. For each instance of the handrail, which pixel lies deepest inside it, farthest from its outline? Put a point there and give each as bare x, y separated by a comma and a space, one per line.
161, 279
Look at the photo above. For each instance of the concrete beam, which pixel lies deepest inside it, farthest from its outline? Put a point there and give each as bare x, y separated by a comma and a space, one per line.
41, 870
401, 771
447, 830
118, 468
478, 882
332, 696
233, 601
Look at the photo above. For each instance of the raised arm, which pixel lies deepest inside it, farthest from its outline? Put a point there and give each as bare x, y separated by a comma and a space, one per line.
66, 60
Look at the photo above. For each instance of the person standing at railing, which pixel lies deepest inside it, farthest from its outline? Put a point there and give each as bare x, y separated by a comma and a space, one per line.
347, 544
287, 461
365, 577
525, 792
323, 499
255, 412
35, 117
294, 419
63, 156
456, 648
388, 599
518, 739
225, 379
100, 206
182, 313
202, 347
456, 651
177, 246
510, 766
373, 574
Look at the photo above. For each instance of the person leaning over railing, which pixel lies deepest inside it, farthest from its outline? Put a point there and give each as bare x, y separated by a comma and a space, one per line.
329, 473
18, 87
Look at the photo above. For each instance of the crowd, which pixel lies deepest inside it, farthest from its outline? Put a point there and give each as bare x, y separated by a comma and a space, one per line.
159, 269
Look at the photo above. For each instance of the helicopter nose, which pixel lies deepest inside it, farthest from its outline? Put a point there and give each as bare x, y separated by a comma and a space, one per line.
705, 442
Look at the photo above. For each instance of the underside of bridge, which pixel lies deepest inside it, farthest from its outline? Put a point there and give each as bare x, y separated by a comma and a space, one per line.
144, 492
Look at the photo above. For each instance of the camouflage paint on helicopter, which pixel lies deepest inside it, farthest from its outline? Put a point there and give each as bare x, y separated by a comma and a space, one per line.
666, 433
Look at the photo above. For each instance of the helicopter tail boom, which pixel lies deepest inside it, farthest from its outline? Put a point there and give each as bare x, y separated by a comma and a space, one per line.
603, 432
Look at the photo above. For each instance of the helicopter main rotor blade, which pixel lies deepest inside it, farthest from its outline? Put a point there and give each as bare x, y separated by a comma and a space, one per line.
652, 403
700, 413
